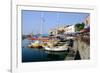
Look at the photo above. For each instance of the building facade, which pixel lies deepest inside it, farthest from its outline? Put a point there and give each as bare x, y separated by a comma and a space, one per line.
70, 29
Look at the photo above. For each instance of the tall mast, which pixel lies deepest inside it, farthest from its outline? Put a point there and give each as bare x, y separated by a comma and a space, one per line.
57, 22
41, 26
58, 19
41, 23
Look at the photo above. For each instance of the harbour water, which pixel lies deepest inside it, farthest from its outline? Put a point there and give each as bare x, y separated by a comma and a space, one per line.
38, 55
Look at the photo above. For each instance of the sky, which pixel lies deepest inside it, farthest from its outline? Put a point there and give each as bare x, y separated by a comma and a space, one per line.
33, 20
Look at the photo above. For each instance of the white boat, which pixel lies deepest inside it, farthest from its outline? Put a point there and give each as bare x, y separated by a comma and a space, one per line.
59, 48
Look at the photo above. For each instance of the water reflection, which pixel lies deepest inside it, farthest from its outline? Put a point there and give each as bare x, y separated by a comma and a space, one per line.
56, 55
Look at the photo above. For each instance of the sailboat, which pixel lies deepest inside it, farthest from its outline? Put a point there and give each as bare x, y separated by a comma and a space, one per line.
37, 41
50, 45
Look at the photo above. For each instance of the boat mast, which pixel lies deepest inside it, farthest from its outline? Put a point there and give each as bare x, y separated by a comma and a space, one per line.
42, 21
57, 20
41, 31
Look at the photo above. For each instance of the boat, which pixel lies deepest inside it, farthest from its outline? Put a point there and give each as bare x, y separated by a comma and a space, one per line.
36, 44
57, 48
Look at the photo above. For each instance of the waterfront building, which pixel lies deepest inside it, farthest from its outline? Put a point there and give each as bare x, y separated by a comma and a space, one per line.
70, 29
53, 31
59, 30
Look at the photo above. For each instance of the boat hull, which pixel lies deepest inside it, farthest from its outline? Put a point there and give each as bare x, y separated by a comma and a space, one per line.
55, 49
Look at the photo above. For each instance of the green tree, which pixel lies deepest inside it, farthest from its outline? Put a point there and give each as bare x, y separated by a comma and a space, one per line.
79, 26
